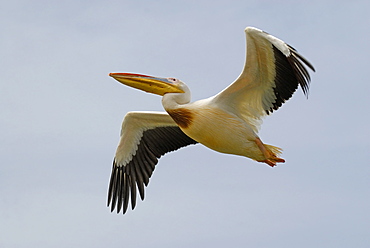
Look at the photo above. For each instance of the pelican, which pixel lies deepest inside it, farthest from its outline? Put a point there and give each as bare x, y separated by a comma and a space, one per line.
227, 122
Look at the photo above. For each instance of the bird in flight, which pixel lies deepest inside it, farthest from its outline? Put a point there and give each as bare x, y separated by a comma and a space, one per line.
227, 122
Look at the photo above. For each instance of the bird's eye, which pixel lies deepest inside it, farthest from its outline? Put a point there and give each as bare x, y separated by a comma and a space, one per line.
172, 79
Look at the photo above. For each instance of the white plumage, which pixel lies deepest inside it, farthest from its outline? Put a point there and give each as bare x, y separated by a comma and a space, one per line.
227, 122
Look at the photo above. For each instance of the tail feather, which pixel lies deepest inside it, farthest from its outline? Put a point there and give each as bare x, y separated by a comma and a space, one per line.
275, 150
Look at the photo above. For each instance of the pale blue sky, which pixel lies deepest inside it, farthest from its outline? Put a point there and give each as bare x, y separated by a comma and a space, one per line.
61, 118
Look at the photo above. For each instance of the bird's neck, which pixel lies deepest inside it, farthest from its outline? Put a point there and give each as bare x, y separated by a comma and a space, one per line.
173, 101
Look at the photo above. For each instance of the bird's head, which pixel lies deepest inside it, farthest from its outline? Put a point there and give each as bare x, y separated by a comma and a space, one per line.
155, 85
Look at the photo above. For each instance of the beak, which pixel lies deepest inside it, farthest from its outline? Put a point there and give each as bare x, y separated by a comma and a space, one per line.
156, 85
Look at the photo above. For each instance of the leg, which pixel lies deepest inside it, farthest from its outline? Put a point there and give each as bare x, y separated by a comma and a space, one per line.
271, 158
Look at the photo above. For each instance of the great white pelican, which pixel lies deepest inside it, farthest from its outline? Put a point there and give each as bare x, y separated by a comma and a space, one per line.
227, 122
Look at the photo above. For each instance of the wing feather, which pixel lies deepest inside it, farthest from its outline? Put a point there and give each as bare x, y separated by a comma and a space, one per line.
145, 137
272, 73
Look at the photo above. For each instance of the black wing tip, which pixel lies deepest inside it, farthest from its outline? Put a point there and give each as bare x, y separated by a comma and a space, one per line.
117, 189
298, 63
303, 59
127, 179
124, 181
290, 72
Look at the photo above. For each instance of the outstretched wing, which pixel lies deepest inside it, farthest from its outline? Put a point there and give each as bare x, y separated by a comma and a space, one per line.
145, 137
272, 73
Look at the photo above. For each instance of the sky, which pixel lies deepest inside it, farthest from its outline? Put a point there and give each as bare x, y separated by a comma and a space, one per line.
61, 116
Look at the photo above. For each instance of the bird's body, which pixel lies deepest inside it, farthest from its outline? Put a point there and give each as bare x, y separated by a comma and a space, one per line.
227, 122
194, 118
